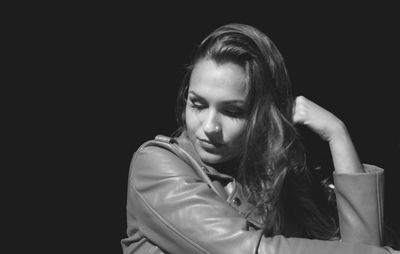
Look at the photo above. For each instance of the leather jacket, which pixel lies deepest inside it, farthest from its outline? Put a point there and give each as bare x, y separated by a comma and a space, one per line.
176, 204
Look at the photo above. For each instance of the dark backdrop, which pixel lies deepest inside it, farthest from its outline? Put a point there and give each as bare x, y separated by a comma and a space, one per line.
112, 74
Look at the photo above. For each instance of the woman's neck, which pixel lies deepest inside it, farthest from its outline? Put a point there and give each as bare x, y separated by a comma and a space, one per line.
230, 167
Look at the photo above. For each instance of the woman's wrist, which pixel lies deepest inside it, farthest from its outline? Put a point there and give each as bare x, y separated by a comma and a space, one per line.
338, 133
343, 152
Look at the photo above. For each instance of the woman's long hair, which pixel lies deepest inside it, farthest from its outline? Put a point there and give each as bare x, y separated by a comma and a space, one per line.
273, 167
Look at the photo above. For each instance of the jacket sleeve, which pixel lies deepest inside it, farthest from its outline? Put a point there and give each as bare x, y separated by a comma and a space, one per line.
360, 204
179, 213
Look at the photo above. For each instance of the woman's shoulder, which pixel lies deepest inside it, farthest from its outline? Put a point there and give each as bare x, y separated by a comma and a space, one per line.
161, 146
162, 157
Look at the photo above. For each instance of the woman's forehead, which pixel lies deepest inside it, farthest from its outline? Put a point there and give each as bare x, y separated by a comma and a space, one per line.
227, 80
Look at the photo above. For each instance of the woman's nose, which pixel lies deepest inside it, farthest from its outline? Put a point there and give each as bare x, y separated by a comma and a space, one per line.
211, 123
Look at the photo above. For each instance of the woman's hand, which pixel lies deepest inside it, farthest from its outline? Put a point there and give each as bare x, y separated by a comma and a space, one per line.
318, 119
331, 129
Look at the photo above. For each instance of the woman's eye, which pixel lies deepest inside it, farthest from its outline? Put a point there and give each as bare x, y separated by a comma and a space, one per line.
234, 113
196, 105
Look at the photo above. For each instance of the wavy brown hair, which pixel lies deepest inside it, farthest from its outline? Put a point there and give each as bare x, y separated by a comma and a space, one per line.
273, 167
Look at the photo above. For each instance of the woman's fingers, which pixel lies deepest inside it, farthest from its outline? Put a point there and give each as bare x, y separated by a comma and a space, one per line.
321, 121
299, 114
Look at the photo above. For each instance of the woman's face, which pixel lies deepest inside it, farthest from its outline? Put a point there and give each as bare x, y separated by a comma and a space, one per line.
215, 110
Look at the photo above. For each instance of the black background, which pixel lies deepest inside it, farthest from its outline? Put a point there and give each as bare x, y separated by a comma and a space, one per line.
102, 79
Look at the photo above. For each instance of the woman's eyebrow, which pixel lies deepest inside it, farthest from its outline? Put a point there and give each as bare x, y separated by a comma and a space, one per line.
195, 94
227, 102
198, 97
234, 102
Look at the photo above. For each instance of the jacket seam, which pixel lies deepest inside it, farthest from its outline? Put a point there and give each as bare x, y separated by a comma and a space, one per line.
154, 212
166, 223
378, 192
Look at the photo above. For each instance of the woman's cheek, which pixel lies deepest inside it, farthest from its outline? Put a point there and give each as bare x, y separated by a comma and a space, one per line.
188, 118
235, 132
192, 122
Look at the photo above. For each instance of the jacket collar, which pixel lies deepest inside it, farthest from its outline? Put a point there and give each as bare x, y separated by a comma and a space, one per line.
185, 143
245, 208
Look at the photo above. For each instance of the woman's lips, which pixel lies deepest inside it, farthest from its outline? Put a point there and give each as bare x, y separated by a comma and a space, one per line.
209, 145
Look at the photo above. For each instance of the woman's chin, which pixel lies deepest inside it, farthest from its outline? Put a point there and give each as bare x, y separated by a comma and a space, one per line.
210, 158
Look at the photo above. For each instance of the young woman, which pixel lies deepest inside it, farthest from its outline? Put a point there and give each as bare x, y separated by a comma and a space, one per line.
234, 178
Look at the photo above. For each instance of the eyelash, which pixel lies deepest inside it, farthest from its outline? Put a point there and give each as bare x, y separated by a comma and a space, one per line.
196, 105
233, 114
